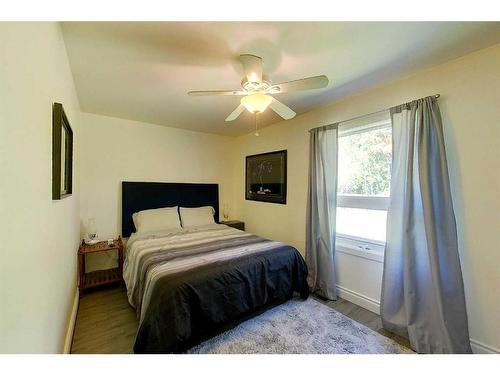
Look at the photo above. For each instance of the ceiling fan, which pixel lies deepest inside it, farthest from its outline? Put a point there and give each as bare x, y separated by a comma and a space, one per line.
258, 88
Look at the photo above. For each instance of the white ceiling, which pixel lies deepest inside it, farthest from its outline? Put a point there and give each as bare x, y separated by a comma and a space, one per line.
143, 71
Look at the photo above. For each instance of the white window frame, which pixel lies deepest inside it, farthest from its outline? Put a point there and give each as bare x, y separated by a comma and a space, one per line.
358, 246
369, 202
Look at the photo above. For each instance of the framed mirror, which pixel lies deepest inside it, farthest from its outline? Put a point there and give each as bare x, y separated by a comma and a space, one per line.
62, 154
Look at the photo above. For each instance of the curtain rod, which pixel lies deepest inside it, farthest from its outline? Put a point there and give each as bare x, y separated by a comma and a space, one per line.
368, 114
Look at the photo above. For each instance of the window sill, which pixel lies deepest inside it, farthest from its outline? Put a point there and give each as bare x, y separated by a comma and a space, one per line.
375, 256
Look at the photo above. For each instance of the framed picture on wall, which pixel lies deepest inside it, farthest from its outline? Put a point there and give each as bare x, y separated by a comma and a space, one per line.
62, 154
265, 179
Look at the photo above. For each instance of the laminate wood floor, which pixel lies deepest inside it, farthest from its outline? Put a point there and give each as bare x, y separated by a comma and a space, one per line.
107, 324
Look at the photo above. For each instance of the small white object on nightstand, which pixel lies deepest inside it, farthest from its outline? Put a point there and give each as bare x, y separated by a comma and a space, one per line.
91, 232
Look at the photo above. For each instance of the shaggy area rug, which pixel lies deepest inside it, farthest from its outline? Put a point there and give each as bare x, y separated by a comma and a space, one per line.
300, 327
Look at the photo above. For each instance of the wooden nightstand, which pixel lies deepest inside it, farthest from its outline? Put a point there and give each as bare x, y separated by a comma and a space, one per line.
234, 224
101, 277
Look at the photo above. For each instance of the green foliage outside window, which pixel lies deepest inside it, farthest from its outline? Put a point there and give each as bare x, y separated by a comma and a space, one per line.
365, 162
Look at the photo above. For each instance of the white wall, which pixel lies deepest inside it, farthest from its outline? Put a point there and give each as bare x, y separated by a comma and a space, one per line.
470, 97
39, 236
116, 150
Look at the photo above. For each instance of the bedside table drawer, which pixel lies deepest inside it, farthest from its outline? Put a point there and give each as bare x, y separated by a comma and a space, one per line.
236, 224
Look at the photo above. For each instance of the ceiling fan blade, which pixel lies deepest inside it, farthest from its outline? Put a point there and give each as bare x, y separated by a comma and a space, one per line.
253, 67
309, 83
217, 93
234, 115
282, 109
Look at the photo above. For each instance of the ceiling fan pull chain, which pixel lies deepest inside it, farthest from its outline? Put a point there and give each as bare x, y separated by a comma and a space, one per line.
256, 132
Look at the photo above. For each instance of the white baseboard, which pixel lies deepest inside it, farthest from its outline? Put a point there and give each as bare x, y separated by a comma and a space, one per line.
359, 299
374, 306
480, 348
68, 340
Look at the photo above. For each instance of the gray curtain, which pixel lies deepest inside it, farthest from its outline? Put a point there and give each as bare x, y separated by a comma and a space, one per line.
321, 208
422, 288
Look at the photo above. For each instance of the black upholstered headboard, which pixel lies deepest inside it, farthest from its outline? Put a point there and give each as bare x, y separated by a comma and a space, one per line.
137, 196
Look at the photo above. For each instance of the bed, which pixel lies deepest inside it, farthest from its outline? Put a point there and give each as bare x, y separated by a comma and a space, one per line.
190, 284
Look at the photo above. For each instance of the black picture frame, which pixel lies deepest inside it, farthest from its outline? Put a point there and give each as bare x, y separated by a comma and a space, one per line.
62, 154
265, 177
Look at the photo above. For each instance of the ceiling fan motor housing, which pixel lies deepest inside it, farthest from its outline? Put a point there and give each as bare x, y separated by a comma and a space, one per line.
252, 87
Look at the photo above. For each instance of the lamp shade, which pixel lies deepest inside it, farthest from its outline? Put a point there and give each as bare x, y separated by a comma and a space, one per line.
256, 103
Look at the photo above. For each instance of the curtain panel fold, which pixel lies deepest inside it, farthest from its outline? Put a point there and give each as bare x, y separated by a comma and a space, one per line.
422, 287
321, 210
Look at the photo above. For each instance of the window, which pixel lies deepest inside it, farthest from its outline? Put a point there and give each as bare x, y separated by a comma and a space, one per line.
364, 176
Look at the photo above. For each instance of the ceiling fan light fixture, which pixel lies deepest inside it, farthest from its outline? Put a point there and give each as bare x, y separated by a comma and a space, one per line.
256, 103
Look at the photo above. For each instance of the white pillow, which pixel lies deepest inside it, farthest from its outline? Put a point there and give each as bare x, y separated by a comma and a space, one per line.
195, 217
156, 219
